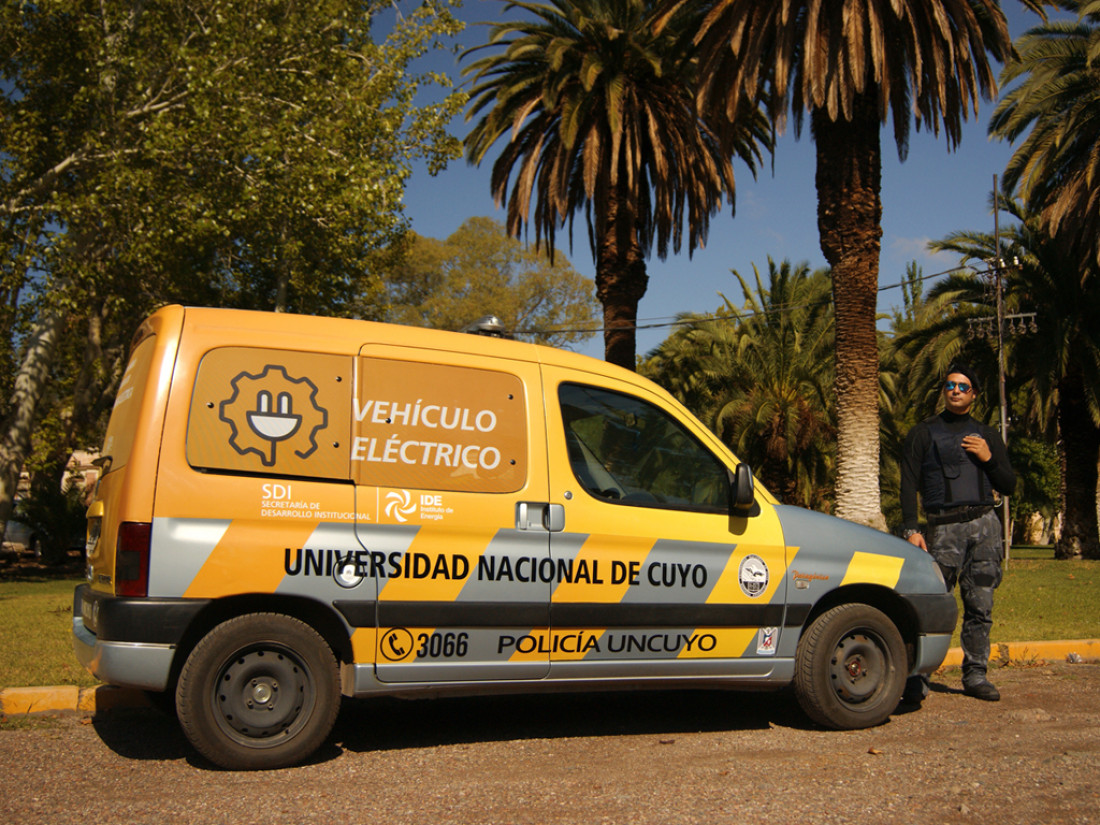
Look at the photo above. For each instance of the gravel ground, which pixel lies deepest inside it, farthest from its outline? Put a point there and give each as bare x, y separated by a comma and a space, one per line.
662, 758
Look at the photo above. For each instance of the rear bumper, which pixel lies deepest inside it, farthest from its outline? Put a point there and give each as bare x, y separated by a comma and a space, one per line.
129, 642
129, 664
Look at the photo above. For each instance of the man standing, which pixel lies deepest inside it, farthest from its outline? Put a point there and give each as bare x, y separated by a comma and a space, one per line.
955, 463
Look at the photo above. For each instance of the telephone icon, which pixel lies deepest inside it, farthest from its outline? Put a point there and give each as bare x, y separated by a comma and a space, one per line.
396, 644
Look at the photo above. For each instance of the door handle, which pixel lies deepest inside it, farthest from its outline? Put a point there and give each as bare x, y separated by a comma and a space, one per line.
540, 515
554, 517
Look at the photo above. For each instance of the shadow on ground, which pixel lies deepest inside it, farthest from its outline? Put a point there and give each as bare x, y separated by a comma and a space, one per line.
388, 724
142, 733
383, 724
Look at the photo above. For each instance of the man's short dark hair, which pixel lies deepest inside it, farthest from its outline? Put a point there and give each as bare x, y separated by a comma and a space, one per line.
964, 369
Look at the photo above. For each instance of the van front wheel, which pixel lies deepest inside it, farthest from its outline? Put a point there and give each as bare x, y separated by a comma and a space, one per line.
850, 668
259, 691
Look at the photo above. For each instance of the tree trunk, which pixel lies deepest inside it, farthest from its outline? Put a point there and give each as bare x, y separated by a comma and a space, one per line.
621, 282
91, 378
849, 218
30, 384
1079, 451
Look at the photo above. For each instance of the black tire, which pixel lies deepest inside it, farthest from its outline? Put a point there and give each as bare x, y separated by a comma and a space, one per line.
850, 668
259, 691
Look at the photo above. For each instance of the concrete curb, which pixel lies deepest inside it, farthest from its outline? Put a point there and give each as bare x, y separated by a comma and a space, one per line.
1026, 652
28, 700
24, 700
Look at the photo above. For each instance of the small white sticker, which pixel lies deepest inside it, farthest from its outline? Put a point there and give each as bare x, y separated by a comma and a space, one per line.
765, 641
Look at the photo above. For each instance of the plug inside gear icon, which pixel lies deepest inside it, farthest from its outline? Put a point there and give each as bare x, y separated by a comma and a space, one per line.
271, 409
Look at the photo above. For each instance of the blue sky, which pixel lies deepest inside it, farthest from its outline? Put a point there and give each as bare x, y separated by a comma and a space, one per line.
933, 193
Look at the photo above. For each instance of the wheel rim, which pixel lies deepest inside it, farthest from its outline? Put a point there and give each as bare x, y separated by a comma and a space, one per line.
264, 694
859, 667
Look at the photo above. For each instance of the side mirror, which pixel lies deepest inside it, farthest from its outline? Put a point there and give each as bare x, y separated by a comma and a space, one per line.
742, 492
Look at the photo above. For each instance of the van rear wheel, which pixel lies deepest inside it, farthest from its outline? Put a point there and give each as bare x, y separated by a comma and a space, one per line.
850, 668
259, 691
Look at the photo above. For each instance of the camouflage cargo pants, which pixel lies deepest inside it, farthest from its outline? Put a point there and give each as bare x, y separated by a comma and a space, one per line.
969, 553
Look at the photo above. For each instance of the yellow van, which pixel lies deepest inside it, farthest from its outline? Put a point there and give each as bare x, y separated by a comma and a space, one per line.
294, 508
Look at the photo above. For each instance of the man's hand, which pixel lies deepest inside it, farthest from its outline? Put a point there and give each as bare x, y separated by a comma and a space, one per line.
977, 447
917, 540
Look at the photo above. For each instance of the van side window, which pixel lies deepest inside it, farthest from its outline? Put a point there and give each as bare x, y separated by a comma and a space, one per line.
627, 451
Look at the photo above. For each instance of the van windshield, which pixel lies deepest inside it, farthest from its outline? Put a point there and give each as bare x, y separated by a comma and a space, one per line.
119, 440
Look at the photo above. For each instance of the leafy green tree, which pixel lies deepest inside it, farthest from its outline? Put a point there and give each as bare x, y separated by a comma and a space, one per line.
767, 368
852, 65
1053, 98
597, 110
248, 153
479, 270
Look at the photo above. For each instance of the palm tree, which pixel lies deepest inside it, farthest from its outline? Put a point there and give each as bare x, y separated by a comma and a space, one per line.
599, 114
1060, 365
697, 363
1056, 169
852, 64
760, 375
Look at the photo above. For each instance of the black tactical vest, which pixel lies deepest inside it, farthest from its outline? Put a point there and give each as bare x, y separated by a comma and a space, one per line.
950, 477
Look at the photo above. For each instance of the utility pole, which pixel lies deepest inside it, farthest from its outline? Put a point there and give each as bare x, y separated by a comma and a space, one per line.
998, 272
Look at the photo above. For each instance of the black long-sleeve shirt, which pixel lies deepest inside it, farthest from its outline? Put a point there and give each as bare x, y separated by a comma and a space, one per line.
998, 469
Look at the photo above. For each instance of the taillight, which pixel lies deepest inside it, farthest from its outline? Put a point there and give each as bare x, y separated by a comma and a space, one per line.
132, 558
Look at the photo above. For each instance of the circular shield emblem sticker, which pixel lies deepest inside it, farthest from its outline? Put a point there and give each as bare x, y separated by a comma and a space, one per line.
753, 575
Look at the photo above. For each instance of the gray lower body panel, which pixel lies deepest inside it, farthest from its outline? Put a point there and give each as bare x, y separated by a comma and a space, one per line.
733, 674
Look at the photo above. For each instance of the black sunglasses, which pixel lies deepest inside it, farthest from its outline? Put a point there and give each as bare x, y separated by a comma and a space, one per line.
962, 385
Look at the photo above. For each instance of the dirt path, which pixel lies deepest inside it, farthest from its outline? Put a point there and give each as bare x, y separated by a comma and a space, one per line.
660, 758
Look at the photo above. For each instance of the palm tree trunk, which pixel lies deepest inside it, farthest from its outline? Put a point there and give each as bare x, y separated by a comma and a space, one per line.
1079, 448
849, 217
621, 282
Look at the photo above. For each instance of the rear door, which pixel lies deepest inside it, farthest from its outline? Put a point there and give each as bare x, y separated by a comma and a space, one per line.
137, 408
448, 457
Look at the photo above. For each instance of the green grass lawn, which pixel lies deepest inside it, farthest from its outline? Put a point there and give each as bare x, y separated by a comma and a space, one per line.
1040, 600
1043, 600
36, 648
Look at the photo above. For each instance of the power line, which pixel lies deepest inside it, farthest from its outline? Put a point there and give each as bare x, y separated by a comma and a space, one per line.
659, 322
